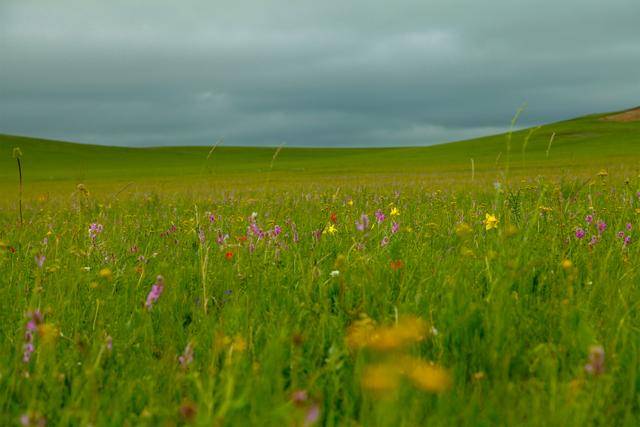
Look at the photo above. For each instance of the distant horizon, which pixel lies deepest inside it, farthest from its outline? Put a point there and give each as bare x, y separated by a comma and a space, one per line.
364, 74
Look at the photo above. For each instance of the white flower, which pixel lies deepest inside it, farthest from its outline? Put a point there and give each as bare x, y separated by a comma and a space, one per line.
334, 273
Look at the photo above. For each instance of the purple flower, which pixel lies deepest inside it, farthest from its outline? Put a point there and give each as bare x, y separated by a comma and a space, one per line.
588, 219
579, 233
379, 216
395, 227
602, 226
620, 234
629, 226
596, 361
363, 224
313, 414
40, 258
627, 240
212, 218
156, 291
221, 238
94, 230
277, 230
35, 319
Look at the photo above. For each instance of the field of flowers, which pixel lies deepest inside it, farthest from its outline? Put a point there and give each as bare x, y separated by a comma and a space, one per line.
372, 305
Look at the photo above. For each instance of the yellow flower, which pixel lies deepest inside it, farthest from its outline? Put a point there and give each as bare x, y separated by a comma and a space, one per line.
428, 376
394, 211
105, 273
331, 229
350, 202
408, 330
380, 377
567, 264
490, 221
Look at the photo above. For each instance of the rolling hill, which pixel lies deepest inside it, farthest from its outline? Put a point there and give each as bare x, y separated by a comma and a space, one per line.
584, 144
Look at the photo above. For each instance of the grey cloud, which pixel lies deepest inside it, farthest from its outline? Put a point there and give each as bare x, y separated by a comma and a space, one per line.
308, 73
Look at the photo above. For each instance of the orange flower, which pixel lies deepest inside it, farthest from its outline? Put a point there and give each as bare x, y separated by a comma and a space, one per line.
396, 265
229, 256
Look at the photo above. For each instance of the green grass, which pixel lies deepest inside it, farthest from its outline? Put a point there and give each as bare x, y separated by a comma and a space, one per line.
507, 321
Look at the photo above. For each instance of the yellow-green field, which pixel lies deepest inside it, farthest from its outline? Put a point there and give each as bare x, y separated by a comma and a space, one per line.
486, 282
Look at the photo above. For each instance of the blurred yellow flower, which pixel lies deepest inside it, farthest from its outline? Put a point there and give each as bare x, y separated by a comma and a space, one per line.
394, 211
408, 330
331, 229
490, 221
427, 376
381, 377
567, 264
105, 273
463, 230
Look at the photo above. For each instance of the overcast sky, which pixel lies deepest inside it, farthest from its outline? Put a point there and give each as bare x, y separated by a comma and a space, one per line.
309, 73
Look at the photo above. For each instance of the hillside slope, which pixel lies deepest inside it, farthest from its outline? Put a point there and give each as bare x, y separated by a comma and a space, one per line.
593, 141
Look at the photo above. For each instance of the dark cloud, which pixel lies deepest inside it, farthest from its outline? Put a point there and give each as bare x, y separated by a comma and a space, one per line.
308, 72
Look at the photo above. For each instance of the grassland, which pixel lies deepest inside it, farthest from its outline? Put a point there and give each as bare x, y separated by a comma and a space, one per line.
374, 287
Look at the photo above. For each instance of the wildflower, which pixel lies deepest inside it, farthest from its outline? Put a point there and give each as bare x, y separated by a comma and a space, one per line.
627, 240
277, 230
381, 377
588, 219
394, 211
333, 217
363, 333
313, 414
396, 265
105, 273
363, 224
628, 226
156, 291
385, 241
350, 202
299, 397
603, 173
593, 241
187, 356
379, 216
428, 376
334, 273
331, 229
395, 227
579, 233
595, 366
567, 264
94, 230
212, 218
32, 420
602, 226
222, 238
40, 258
490, 221
201, 236
34, 322
620, 234
229, 255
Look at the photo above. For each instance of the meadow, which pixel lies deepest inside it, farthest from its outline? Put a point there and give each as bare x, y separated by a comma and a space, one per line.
485, 282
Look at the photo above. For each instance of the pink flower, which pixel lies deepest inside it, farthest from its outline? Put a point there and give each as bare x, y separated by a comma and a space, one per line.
40, 260
602, 226
596, 361
277, 230
379, 216
385, 241
363, 224
94, 230
579, 233
395, 227
627, 240
588, 219
156, 291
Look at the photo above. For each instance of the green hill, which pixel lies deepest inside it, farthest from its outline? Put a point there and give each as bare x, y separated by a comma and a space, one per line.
583, 144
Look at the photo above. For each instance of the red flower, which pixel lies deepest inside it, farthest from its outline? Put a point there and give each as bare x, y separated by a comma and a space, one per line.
229, 255
333, 217
396, 265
